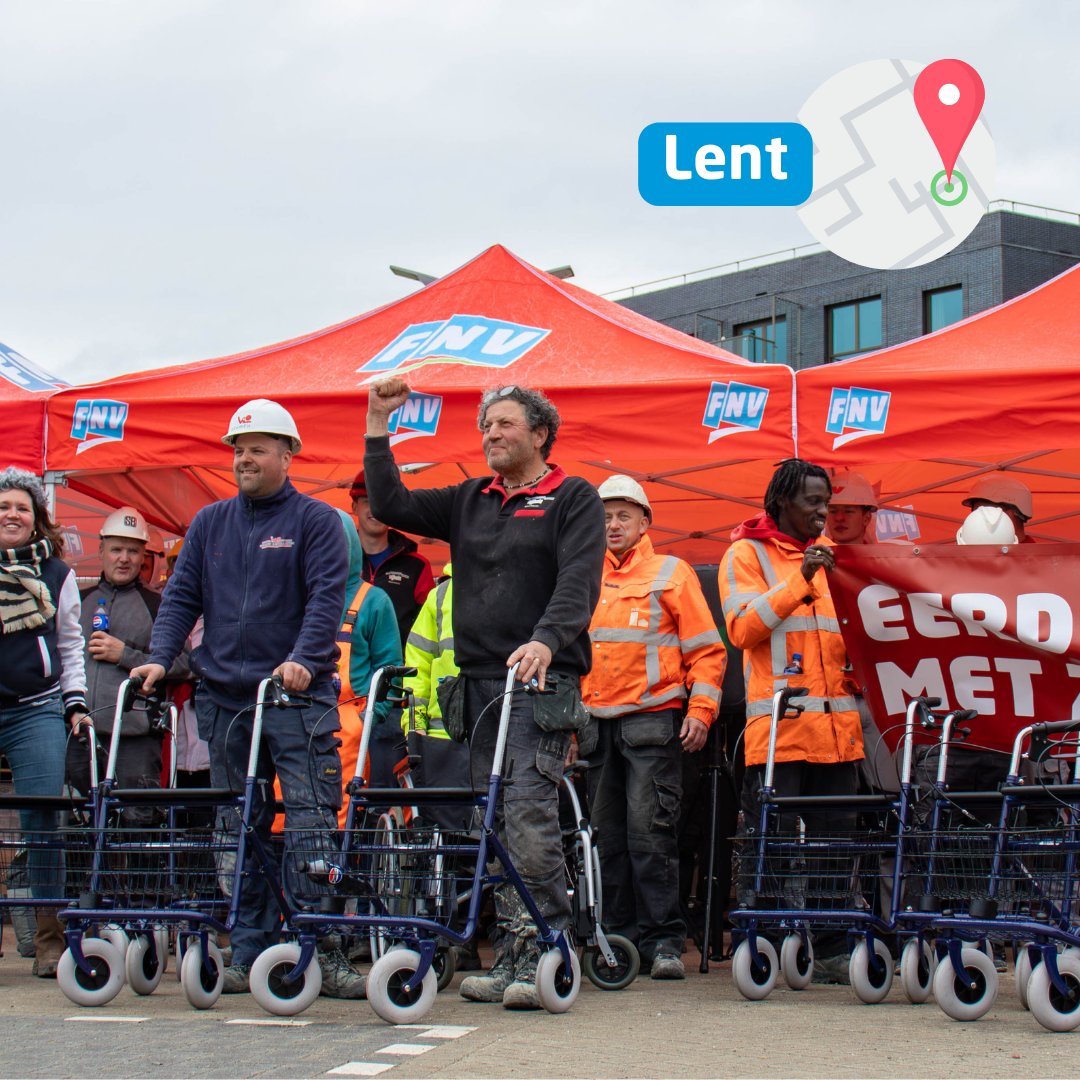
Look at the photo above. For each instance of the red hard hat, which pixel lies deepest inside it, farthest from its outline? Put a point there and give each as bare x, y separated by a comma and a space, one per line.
359, 487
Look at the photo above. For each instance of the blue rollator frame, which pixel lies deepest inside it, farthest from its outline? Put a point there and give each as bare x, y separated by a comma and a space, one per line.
1008, 877
144, 881
791, 881
401, 894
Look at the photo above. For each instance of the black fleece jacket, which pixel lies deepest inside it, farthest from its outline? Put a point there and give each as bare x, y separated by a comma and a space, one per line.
526, 566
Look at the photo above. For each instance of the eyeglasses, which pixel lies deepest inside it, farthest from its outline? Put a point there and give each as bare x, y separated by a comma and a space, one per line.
502, 392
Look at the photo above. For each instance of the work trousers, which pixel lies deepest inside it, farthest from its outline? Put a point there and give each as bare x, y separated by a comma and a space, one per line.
138, 765
300, 746
635, 811
527, 816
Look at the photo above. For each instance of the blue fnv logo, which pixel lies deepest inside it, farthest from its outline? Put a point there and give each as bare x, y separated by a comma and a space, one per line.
897, 524
418, 416
856, 412
98, 421
20, 372
734, 407
461, 339
725, 164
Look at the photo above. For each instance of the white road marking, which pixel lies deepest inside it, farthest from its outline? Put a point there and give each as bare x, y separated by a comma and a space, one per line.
407, 1049
268, 1022
447, 1031
359, 1068
96, 1019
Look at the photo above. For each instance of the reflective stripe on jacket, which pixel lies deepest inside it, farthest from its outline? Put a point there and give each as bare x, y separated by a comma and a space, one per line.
654, 641
771, 613
430, 649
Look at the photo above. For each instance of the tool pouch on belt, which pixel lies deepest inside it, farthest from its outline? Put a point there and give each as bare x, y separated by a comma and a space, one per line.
451, 694
562, 710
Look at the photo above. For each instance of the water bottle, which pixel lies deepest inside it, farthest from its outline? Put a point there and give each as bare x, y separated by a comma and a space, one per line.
795, 667
100, 621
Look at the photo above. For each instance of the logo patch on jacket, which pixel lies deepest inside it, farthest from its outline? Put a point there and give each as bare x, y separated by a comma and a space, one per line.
276, 542
396, 577
535, 506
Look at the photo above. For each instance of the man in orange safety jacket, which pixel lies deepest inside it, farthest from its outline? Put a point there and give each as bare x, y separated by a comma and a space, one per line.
654, 688
778, 610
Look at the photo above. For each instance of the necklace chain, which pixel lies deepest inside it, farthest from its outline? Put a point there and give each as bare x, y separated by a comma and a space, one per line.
528, 483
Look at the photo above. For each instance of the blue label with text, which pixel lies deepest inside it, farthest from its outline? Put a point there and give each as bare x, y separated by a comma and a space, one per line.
725, 164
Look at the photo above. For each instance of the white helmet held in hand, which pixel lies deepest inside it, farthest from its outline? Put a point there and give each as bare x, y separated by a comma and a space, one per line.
986, 525
126, 522
263, 417
624, 487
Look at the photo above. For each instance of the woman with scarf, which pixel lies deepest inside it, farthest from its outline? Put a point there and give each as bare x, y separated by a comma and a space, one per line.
42, 681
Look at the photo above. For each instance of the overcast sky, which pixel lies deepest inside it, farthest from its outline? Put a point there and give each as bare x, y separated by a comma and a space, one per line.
182, 180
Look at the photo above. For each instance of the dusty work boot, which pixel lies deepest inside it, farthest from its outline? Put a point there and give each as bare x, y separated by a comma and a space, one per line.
492, 986
667, 966
521, 993
339, 978
49, 943
237, 979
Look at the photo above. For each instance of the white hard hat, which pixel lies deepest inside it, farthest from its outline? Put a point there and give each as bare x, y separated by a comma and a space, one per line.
625, 487
853, 489
986, 525
998, 488
127, 522
263, 417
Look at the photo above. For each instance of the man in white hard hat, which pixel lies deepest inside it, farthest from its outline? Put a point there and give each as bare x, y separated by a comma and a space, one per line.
129, 608
1011, 495
267, 571
657, 670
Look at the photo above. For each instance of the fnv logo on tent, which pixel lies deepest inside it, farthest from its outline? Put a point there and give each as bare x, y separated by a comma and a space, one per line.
734, 407
856, 412
418, 416
461, 339
97, 421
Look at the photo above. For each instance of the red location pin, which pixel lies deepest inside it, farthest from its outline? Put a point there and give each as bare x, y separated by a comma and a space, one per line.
949, 96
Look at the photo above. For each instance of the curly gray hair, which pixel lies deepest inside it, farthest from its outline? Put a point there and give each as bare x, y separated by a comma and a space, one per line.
13, 479
539, 411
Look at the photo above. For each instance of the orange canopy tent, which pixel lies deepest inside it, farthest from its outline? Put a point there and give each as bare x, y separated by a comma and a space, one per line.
699, 427
24, 389
925, 419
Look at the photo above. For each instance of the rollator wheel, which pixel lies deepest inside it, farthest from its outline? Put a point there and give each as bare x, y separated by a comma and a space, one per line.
386, 990
161, 940
627, 964
1054, 1010
797, 961
1022, 972
268, 985
104, 980
143, 964
202, 988
956, 998
871, 978
445, 967
754, 983
917, 964
557, 985
117, 936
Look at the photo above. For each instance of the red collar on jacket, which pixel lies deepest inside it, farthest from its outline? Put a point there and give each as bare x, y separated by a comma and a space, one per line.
763, 527
550, 482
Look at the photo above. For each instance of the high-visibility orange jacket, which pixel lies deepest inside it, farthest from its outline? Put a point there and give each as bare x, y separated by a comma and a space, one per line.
654, 641
772, 612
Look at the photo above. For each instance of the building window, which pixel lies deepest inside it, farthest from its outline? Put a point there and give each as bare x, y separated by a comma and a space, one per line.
942, 307
762, 342
854, 328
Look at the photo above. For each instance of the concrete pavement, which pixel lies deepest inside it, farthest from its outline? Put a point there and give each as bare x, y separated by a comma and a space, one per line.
697, 1028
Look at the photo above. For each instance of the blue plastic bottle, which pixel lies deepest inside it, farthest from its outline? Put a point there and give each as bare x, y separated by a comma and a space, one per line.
795, 667
100, 621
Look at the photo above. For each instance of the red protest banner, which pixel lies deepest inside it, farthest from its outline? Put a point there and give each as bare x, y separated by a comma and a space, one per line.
989, 629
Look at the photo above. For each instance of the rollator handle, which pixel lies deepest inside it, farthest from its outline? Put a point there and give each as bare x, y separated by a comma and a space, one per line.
533, 687
155, 703
789, 711
281, 698
387, 675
